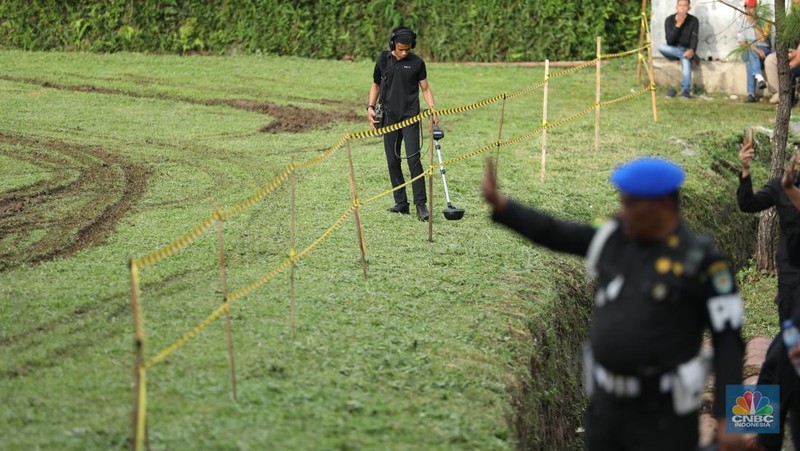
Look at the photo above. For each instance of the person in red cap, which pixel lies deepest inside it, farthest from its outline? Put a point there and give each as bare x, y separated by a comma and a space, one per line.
753, 37
659, 287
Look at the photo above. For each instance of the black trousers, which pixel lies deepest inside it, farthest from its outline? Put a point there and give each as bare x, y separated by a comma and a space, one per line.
785, 300
637, 424
392, 143
777, 369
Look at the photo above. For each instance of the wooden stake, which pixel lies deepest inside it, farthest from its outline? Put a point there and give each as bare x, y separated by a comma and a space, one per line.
597, 100
138, 430
354, 197
502, 120
292, 225
430, 181
224, 280
544, 116
652, 77
500, 133
142, 435
641, 42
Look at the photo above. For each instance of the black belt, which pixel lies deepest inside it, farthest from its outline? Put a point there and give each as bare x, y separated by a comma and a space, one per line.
626, 386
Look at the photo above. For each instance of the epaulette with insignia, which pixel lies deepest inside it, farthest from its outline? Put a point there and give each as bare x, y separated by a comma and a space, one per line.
696, 254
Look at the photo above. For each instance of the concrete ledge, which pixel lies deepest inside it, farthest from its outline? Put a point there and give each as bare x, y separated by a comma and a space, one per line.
712, 76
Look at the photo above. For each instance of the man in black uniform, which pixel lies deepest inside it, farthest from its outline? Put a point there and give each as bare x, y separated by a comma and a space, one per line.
776, 368
397, 78
659, 286
772, 195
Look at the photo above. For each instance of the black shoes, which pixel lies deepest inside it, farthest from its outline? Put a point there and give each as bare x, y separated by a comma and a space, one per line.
750, 99
399, 208
422, 212
684, 93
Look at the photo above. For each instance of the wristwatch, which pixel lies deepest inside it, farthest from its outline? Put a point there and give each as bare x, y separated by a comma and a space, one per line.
370, 106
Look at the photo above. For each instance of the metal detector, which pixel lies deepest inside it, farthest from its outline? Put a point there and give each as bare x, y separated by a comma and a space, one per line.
451, 213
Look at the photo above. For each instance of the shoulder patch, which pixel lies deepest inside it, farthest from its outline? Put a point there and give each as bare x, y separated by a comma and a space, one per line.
721, 277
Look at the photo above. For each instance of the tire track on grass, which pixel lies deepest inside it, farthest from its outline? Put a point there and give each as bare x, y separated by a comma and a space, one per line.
77, 208
286, 118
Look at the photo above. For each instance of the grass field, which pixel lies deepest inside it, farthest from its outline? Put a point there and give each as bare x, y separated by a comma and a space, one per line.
107, 157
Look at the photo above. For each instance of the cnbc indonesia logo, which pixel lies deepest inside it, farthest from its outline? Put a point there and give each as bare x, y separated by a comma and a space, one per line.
752, 410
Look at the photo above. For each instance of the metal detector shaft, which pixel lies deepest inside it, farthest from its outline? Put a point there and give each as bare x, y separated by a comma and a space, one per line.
442, 171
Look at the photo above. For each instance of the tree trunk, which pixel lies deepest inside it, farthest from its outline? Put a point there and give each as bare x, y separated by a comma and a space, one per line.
765, 250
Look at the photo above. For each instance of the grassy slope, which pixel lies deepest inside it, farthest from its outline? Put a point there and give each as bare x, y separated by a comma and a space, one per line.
426, 353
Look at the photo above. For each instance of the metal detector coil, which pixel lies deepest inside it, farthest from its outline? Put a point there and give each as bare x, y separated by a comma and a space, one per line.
451, 213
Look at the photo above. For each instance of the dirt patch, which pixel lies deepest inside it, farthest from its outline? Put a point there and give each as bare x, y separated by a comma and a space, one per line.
286, 118
88, 192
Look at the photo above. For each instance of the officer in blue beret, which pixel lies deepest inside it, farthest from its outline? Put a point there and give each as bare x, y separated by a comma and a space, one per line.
659, 287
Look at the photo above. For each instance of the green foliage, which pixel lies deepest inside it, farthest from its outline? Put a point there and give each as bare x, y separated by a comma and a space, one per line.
449, 30
789, 28
760, 311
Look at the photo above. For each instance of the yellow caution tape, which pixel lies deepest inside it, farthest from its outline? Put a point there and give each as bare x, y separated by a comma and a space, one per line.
193, 234
620, 54
160, 356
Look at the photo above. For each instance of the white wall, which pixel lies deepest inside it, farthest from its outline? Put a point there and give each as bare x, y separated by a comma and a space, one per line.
719, 24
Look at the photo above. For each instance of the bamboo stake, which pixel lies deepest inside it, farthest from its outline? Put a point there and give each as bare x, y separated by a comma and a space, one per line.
357, 215
544, 116
430, 182
139, 407
224, 280
292, 225
142, 436
597, 100
652, 77
500, 132
641, 43
502, 119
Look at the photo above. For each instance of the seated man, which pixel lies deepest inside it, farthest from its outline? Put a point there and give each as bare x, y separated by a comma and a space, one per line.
680, 30
771, 69
771, 66
754, 37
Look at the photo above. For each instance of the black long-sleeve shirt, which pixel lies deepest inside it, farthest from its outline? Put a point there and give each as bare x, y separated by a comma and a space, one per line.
772, 195
653, 299
684, 36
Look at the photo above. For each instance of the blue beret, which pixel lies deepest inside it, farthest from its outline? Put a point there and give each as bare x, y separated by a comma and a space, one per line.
648, 177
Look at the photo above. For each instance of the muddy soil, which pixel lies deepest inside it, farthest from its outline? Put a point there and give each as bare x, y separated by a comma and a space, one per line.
285, 118
89, 190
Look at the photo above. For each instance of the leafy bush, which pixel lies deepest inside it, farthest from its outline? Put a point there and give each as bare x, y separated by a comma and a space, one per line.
449, 30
